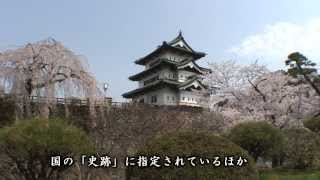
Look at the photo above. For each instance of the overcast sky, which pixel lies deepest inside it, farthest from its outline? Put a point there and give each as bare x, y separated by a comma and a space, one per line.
114, 33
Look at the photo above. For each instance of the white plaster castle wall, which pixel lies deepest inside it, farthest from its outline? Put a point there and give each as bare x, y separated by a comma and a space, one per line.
167, 55
167, 96
162, 97
189, 98
183, 75
141, 82
170, 96
166, 73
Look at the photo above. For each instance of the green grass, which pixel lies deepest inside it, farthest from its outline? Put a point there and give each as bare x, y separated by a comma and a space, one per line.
290, 175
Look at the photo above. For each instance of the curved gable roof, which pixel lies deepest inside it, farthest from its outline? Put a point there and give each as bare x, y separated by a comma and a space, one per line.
177, 44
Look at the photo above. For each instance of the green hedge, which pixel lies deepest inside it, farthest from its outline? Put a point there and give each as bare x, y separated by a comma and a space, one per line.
301, 149
193, 144
30, 143
260, 139
313, 124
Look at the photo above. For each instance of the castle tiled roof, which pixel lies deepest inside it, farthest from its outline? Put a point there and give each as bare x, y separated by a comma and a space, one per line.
171, 46
162, 83
154, 67
165, 62
152, 86
154, 63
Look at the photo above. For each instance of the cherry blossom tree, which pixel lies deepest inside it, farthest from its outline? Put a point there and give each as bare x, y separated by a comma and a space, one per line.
251, 92
281, 99
229, 80
45, 69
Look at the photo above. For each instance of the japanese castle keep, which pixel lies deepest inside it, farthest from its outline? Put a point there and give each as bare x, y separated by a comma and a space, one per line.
171, 76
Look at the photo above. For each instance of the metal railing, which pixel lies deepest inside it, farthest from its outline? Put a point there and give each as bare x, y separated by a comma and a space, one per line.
106, 101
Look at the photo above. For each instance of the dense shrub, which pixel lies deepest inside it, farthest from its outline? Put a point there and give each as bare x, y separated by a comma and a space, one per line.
190, 144
313, 124
301, 148
29, 144
260, 139
7, 111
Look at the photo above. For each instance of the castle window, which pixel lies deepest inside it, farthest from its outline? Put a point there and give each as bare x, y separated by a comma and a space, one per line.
141, 100
153, 99
151, 79
172, 58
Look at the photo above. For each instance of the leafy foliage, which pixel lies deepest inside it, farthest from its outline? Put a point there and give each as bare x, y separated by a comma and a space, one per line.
301, 148
301, 65
7, 110
29, 144
313, 124
289, 175
199, 144
260, 139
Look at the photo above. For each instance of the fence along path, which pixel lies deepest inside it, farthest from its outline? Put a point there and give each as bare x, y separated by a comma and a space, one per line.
106, 101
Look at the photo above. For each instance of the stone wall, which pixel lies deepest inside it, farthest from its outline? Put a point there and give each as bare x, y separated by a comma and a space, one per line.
121, 130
